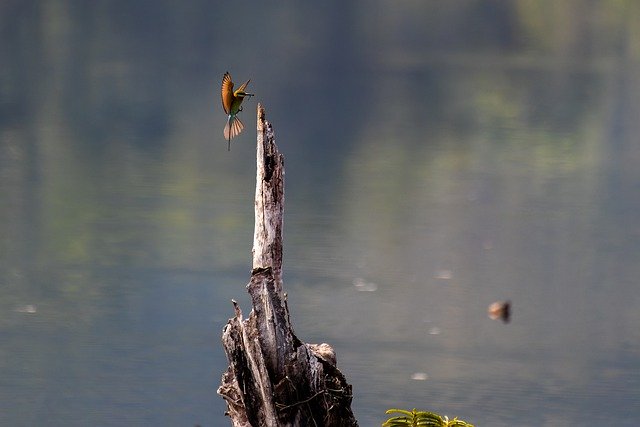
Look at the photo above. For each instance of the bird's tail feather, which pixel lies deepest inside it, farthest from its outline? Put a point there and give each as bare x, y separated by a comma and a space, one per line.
233, 127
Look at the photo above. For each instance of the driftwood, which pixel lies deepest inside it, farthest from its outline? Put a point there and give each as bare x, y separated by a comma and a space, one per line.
274, 379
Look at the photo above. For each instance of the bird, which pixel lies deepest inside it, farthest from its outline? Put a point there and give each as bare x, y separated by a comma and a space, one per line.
231, 103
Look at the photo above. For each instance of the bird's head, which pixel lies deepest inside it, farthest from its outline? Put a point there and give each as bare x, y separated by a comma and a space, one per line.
241, 91
242, 94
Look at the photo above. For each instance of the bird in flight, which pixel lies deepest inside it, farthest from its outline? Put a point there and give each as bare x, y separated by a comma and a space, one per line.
231, 103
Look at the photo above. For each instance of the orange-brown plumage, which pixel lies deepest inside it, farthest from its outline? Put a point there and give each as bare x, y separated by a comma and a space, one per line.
227, 92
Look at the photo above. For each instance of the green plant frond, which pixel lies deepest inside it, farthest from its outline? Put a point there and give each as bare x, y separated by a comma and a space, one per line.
429, 419
428, 423
401, 411
458, 423
421, 418
398, 423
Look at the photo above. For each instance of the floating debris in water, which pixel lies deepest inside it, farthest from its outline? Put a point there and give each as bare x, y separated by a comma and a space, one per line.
500, 310
419, 376
444, 274
29, 309
435, 331
364, 286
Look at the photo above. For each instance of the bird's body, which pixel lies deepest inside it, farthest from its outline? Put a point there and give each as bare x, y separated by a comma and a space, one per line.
232, 105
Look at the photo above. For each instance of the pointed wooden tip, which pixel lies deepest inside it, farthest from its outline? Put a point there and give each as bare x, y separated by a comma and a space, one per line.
261, 117
236, 309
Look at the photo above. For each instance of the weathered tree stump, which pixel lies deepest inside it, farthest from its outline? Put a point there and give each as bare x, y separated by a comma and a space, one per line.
274, 379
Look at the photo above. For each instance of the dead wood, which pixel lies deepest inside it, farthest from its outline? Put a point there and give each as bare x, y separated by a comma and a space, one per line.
273, 378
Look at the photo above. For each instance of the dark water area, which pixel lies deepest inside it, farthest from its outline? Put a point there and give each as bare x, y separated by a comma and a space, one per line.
440, 156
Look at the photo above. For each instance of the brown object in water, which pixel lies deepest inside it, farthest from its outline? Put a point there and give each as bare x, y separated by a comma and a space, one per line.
500, 310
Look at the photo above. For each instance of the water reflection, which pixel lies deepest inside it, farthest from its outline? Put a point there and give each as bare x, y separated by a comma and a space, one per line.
439, 157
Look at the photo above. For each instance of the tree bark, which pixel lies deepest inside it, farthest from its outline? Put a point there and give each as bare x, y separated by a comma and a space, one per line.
273, 378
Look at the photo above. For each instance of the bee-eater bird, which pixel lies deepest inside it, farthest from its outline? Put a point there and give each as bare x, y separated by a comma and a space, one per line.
231, 103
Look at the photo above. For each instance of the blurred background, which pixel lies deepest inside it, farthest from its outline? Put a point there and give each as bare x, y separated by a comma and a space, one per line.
440, 156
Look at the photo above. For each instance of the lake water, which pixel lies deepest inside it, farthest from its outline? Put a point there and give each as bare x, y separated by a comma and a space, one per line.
440, 156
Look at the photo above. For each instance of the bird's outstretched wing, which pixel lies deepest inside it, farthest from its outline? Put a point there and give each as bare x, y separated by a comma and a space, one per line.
227, 92
243, 87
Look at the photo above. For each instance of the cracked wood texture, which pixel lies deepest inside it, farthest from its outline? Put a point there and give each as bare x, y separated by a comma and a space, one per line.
273, 378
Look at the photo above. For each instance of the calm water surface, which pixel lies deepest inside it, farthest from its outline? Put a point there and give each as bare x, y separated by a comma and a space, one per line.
438, 158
